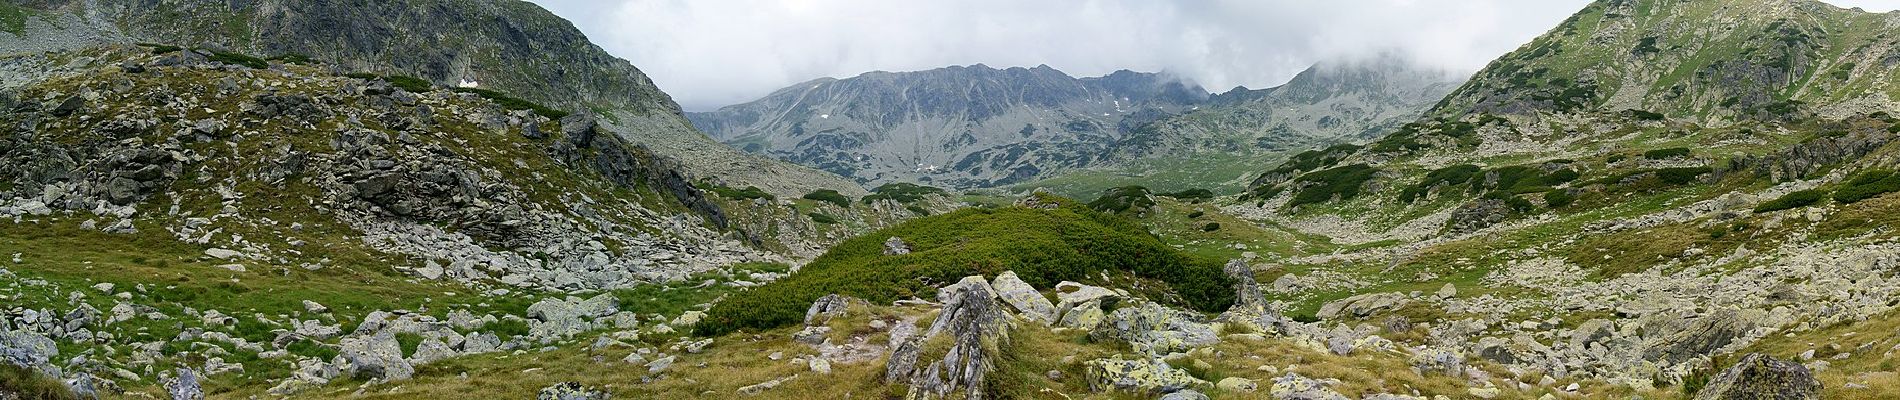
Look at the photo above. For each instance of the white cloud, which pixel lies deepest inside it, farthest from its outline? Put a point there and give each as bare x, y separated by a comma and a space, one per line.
709, 53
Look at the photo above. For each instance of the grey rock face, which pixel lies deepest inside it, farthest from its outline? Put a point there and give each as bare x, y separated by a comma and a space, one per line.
1758, 376
27, 349
376, 356
185, 386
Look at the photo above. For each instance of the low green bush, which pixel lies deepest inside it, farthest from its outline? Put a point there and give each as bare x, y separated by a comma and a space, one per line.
1342, 183
902, 192
1210, 227
1558, 198
162, 48
1682, 175
829, 196
749, 193
1069, 243
1452, 175
1868, 185
239, 59
1196, 214
410, 83
1191, 194
1664, 154
1793, 200
513, 103
1122, 199
822, 218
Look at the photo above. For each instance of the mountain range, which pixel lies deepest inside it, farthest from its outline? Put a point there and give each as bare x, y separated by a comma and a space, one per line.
976, 127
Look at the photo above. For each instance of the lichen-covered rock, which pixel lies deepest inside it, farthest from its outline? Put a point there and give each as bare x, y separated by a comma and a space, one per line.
1080, 306
1761, 377
1155, 329
571, 391
1146, 375
1087, 315
1296, 387
1362, 305
1237, 384
1027, 301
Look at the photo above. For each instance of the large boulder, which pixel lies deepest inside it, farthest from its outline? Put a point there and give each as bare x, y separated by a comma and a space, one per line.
1760, 377
1697, 336
376, 356
185, 386
1146, 375
1362, 305
1155, 329
826, 308
1027, 301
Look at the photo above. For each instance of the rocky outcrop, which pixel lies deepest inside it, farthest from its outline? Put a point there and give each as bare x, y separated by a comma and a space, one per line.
1758, 376
1250, 308
976, 327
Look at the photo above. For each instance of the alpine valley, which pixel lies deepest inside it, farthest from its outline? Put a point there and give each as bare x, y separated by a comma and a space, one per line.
1655, 199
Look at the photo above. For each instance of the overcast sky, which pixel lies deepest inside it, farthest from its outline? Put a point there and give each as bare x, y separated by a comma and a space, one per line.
711, 53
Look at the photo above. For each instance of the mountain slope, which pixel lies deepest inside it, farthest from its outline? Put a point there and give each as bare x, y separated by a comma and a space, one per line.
518, 48
960, 126
1705, 60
